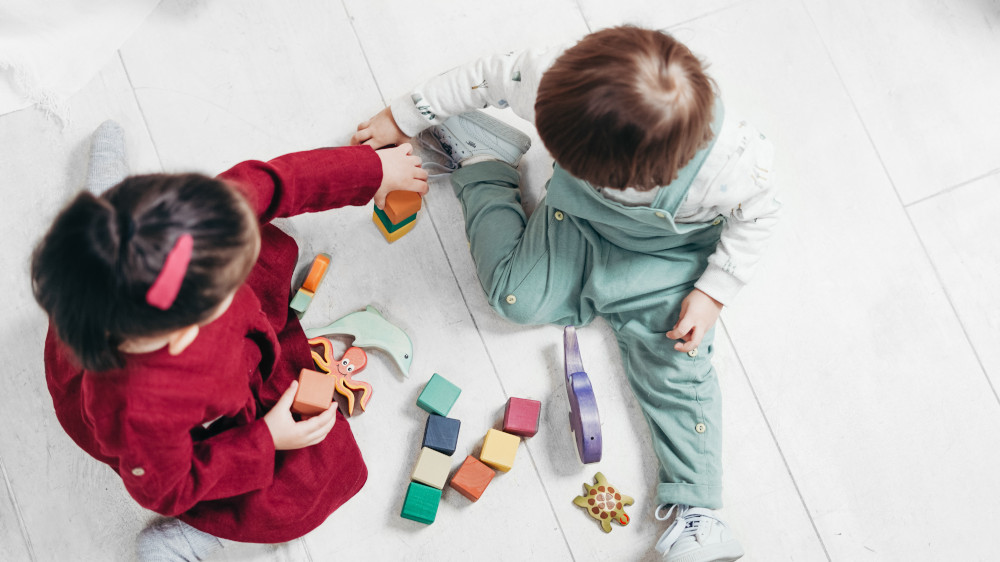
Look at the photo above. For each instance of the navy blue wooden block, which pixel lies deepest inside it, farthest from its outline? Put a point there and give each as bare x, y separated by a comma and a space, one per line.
441, 434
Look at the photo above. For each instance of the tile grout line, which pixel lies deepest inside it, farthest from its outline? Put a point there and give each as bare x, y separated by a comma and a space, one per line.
774, 438
142, 112
17, 511
953, 188
364, 54
903, 206
586, 22
705, 15
499, 380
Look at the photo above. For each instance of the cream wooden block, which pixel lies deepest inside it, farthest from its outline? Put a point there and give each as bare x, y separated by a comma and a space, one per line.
499, 450
933, 129
432, 468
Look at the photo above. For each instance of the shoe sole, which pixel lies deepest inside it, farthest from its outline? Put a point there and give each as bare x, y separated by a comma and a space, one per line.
725, 552
500, 129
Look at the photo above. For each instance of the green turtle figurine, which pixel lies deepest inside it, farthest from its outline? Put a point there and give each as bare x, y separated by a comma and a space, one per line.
604, 503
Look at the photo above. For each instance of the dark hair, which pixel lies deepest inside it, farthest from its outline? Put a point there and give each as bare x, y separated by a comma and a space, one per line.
93, 268
625, 107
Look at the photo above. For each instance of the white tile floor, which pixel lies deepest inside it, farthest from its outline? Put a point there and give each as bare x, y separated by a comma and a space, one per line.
860, 369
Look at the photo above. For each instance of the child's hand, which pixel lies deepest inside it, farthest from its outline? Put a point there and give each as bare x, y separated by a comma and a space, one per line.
400, 170
379, 131
698, 314
289, 434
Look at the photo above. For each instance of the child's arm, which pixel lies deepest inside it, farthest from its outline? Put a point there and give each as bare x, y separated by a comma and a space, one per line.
509, 80
326, 178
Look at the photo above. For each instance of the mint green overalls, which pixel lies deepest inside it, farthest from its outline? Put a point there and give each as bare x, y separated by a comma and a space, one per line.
581, 255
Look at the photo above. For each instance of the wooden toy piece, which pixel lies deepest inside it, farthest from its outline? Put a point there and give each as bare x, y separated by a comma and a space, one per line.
441, 434
321, 358
421, 503
520, 417
393, 236
438, 395
301, 301
315, 393
400, 205
316, 273
604, 503
389, 225
370, 329
353, 362
584, 419
499, 449
472, 478
432, 468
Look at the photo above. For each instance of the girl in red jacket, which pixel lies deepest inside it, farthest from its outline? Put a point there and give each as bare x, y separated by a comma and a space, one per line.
172, 356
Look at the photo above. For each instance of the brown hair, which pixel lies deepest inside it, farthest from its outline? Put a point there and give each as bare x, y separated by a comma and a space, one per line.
93, 268
625, 107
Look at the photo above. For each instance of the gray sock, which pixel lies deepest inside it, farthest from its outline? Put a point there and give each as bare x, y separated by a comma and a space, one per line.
172, 540
108, 164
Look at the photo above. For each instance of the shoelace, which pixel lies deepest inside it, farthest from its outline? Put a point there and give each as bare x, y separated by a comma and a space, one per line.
434, 145
686, 523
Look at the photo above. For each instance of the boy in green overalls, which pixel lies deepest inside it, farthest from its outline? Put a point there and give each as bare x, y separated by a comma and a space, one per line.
658, 208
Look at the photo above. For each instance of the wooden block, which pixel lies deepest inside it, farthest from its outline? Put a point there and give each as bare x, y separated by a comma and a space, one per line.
438, 395
421, 503
392, 236
472, 478
390, 226
432, 468
300, 302
315, 393
316, 273
521, 416
401, 204
499, 449
441, 434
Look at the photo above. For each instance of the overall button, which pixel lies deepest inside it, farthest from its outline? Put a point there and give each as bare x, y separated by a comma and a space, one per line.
559, 215
511, 299
700, 428
717, 222
661, 215
138, 471
693, 352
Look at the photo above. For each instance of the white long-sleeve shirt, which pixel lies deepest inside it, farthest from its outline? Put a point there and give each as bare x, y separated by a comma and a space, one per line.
734, 181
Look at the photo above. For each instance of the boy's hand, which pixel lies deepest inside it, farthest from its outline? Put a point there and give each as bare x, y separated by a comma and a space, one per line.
698, 314
379, 131
400, 170
290, 434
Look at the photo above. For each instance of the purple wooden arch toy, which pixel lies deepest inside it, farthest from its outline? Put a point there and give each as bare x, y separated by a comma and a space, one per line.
584, 419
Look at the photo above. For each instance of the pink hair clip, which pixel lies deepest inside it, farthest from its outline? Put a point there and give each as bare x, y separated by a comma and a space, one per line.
168, 283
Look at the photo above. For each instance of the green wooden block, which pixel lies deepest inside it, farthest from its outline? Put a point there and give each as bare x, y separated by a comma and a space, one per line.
300, 302
421, 503
389, 226
438, 396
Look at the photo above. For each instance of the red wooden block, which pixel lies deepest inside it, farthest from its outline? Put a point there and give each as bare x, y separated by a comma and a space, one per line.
315, 393
401, 204
472, 478
521, 416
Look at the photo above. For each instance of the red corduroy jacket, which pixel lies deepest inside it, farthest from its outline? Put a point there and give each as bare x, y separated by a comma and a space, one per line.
147, 420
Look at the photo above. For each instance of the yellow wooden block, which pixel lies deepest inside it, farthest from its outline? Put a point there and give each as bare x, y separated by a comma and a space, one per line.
499, 449
432, 468
392, 236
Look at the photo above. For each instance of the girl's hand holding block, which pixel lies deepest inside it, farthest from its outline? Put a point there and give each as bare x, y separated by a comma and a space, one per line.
289, 434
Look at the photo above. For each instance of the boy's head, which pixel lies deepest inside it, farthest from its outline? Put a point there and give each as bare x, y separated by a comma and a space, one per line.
625, 107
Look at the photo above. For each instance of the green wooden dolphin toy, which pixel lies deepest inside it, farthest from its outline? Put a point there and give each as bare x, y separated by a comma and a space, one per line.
371, 329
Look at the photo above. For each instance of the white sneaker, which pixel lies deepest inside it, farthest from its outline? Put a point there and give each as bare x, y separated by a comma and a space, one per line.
696, 535
474, 137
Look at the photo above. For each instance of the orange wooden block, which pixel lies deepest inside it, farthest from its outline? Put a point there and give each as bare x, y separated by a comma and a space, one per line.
315, 393
472, 478
401, 204
316, 273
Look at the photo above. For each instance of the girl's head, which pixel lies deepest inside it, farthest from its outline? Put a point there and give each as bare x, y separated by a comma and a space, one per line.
625, 107
92, 271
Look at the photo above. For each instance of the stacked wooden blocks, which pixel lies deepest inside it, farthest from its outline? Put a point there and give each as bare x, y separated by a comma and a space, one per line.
399, 215
430, 473
304, 296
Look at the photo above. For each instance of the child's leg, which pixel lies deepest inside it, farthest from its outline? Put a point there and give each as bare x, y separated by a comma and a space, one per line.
172, 540
531, 271
108, 164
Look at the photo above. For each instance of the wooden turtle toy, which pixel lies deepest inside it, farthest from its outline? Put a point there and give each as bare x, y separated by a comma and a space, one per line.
604, 503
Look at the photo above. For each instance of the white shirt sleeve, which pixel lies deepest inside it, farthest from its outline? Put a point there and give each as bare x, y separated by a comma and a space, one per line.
509, 80
736, 182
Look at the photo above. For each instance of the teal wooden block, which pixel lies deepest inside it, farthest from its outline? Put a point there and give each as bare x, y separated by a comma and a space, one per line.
438, 396
421, 503
391, 226
300, 302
